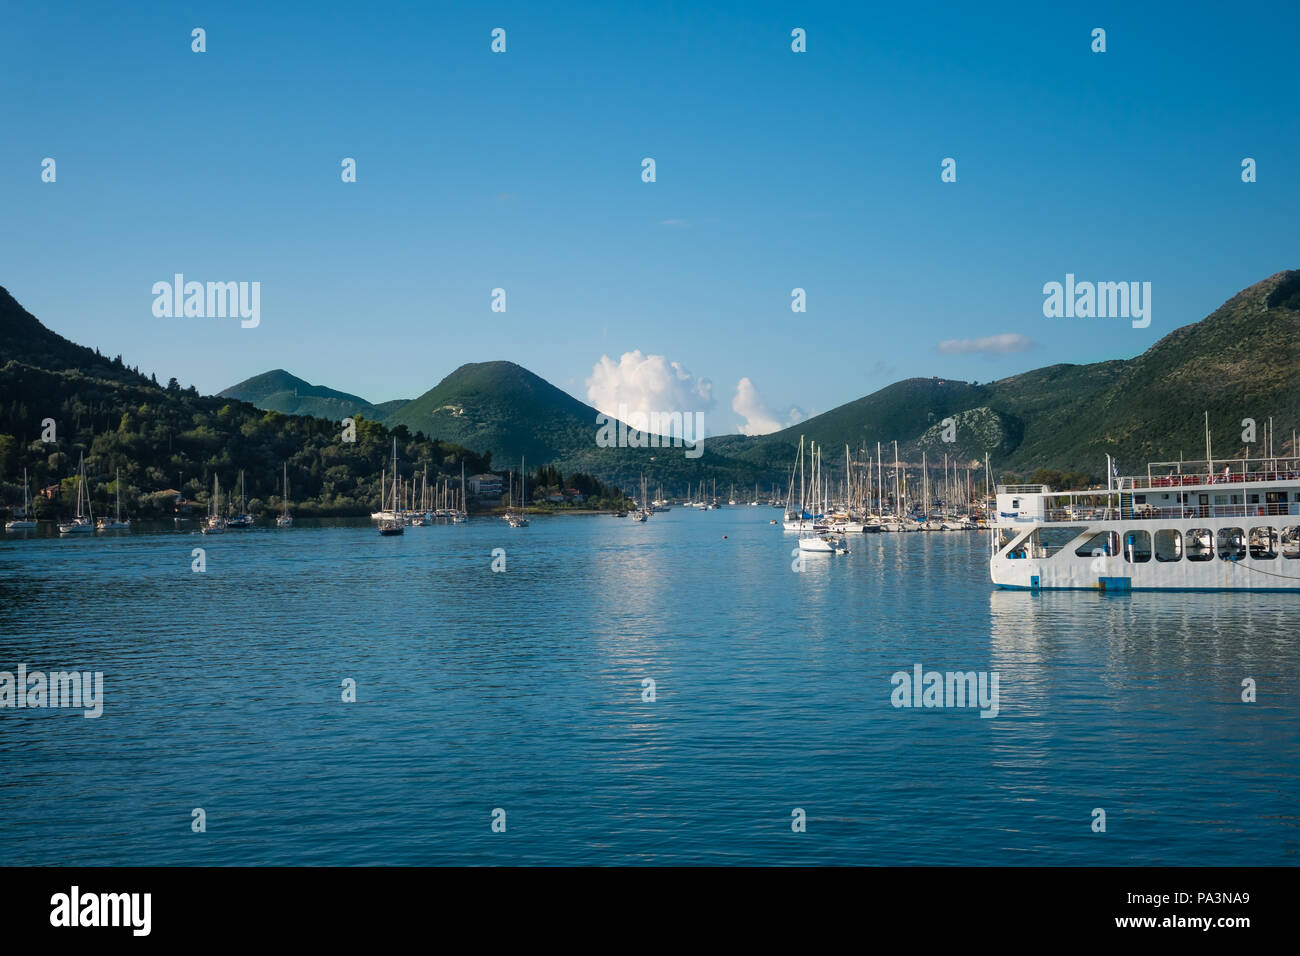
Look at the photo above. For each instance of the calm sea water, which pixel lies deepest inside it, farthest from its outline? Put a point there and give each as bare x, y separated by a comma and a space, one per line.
522, 691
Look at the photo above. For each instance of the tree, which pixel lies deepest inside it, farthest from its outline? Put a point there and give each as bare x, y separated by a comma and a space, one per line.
8, 453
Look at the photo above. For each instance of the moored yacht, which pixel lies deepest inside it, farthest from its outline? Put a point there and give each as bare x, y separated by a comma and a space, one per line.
22, 521
115, 523
84, 522
285, 520
214, 523
243, 519
519, 520
823, 542
388, 511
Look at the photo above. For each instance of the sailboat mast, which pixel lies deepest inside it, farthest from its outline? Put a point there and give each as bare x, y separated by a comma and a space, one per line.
925, 488
880, 480
898, 488
802, 492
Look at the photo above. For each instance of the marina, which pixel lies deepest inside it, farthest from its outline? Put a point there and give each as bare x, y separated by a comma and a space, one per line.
678, 436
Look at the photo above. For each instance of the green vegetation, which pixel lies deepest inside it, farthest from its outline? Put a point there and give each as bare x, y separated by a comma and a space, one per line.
163, 439
1243, 361
548, 481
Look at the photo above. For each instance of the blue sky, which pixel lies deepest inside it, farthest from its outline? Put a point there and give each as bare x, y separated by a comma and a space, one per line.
522, 170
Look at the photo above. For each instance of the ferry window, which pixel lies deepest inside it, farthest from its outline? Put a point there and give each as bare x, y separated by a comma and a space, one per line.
1107, 543
1263, 544
1200, 544
1051, 540
1137, 547
1231, 544
1291, 542
1169, 545
1140, 499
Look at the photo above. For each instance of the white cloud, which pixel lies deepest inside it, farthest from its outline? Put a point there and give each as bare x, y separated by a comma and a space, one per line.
1003, 344
759, 418
646, 383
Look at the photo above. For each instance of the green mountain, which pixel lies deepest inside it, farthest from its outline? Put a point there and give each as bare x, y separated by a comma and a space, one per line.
504, 408
279, 391
160, 438
1242, 361
24, 339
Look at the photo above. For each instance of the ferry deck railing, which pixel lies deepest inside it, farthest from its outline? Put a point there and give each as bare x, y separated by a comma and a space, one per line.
1225, 477
1178, 512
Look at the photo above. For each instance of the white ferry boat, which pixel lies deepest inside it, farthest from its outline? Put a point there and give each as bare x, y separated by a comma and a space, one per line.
1183, 526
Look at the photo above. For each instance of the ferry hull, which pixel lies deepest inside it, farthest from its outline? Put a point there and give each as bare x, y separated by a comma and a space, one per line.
1066, 570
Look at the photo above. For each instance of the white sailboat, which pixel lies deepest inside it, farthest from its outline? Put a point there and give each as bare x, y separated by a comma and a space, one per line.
661, 503
462, 513
83, 523
814, 541
392, 522
214, 523
646, 509
115, 523
520, 520
285, 520
243, 519
388, 511
421, 516
797, 521
23, 521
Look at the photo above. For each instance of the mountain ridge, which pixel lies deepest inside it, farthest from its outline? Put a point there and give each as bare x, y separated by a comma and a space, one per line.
281, 391
1240, 362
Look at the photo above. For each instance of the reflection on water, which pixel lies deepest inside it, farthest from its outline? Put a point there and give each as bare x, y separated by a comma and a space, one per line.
523, 690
